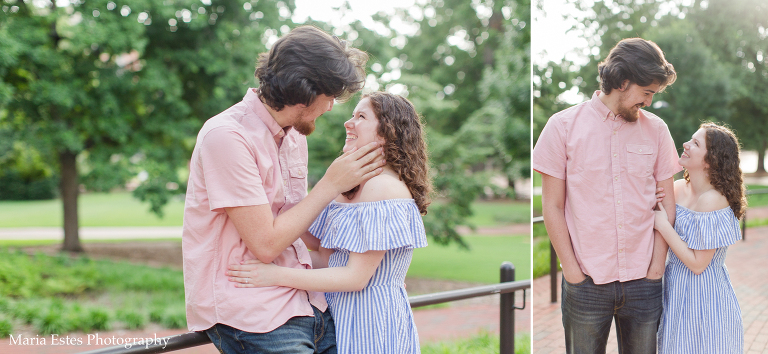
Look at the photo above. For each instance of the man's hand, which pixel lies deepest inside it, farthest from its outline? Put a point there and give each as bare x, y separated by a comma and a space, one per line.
354, 167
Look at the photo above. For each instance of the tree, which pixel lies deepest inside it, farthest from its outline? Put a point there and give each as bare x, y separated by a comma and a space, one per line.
106, 90
736, 33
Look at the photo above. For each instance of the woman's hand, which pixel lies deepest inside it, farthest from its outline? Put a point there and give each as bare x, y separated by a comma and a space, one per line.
660, 194
253, 274
661, 218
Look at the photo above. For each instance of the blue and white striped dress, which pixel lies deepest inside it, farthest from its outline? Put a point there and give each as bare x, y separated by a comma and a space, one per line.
701, 314
377, 319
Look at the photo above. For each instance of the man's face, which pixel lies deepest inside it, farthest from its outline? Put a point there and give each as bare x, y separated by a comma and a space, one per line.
304, 122
634, 97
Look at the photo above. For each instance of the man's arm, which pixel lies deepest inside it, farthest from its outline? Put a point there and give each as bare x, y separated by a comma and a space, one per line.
659, 258
352, 277
553, 208
266, 236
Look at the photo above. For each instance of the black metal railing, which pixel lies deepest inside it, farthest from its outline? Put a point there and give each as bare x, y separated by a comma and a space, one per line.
553, 254
506, 289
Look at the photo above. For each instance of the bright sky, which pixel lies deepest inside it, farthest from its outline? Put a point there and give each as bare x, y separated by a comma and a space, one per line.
551, 40
360, 10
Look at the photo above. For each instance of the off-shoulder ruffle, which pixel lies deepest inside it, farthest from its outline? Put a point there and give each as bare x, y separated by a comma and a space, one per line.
370, 226
707, 230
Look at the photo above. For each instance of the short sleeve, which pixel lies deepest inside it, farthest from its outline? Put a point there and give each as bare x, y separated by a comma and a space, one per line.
667, 160
318, 227
230, 170
713, 230
374, 226
549, 154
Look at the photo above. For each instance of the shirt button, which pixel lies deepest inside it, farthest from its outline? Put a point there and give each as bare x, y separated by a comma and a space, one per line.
618, 202
619, 226
614, 155
616, 178
614, 132
621, 250
641, 150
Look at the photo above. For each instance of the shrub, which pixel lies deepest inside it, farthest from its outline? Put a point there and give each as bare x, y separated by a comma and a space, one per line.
6, 327
132, 319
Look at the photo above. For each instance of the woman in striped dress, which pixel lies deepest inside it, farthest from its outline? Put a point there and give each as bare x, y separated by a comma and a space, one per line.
701, 314
366, 236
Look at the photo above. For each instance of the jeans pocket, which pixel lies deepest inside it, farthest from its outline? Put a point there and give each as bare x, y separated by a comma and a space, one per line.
652, 281
586, 279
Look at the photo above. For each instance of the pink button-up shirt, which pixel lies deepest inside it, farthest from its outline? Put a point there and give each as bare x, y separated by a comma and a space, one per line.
610, 168
242, 157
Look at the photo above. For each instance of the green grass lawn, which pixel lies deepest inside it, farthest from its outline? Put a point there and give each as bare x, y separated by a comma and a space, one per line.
122, 209
480, 264
757, 200
95, 209
491, 213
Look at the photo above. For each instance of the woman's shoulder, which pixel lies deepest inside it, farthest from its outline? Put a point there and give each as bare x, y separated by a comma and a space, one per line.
711, 200
383, 187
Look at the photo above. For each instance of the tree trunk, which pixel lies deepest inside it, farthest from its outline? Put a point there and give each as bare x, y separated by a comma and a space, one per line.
761, 157
69, 192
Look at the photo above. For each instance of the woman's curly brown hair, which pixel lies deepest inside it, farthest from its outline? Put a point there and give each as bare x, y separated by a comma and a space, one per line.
405, 147
723, 160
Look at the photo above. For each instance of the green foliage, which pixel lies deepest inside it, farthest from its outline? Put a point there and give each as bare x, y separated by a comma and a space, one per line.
54, 307
132, 319
22, 276
6, 327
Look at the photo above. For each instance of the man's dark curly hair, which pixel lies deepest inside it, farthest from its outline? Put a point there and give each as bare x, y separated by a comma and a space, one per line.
308, 62
404, 145
722, 157
638, 60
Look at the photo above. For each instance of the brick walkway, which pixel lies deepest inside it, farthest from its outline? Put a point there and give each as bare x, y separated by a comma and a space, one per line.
748, 270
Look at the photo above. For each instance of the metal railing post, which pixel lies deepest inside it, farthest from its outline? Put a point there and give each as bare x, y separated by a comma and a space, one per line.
507, 309
552, 273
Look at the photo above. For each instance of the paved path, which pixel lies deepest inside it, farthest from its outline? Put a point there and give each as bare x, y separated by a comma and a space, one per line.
747, 263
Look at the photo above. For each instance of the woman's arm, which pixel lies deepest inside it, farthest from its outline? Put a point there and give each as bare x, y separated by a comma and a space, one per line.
696, 260
352, 277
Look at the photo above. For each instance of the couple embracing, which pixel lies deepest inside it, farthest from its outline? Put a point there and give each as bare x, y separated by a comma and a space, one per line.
251, 282
635, 246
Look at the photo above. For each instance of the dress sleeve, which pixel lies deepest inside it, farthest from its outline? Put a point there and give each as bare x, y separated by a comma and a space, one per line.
318, 228
375, 226
714, 229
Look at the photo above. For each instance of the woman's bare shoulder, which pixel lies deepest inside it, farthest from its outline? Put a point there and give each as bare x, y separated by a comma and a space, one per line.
383, 187
710, 201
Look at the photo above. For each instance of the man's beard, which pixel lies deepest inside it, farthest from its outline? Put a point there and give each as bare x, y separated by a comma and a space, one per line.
628, 113
304, 128
301, 125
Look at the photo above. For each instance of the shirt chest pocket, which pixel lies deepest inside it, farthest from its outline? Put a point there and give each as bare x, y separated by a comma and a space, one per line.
640, 160
298, 175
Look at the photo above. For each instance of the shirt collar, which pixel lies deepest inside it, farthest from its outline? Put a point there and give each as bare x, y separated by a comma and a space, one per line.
252, 100
602, 110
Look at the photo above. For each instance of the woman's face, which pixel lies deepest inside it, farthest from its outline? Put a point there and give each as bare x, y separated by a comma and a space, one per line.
362, 127
694, 151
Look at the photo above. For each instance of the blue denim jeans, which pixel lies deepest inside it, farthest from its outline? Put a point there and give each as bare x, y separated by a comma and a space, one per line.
588, 310
300, 335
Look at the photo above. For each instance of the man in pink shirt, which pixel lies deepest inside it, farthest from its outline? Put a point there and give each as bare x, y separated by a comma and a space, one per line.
247, 197
601, 163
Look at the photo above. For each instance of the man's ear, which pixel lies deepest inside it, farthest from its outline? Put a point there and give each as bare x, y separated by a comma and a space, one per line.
624, 85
